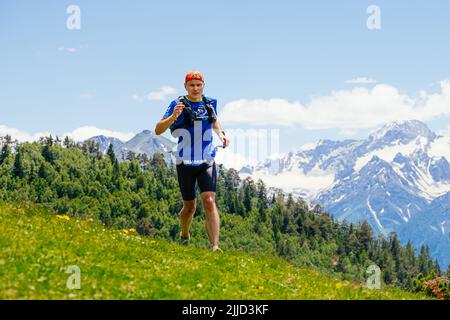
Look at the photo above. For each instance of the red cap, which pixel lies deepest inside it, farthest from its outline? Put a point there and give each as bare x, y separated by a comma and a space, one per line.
193, 75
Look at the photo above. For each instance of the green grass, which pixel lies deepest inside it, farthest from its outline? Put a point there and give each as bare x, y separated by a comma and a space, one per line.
36, 247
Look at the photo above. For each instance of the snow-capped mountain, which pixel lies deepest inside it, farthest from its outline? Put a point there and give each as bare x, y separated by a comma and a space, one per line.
149, 143
145, 142
104, 142
397, 179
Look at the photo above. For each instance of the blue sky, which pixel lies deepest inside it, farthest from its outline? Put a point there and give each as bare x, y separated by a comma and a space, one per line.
249, 51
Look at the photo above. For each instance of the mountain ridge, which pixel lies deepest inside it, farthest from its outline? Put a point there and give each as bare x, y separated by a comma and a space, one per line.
145, 142
390, 178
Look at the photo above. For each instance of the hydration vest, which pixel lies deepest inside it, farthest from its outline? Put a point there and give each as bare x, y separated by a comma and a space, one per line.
189, 115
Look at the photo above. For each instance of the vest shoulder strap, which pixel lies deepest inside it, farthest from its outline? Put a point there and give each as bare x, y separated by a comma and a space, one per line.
212, 117
207, 100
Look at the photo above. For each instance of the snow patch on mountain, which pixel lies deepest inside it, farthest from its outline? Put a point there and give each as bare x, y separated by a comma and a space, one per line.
388, 153
374, 214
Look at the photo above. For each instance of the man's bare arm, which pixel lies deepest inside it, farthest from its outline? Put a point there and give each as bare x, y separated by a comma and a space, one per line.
163, 124
218, 130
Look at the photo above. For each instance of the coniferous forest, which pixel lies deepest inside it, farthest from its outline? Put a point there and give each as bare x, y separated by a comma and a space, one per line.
142, 193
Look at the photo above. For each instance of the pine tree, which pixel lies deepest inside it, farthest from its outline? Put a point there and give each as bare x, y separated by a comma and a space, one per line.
5, 153
272, 202
6, 140
410, 254
262, 191
290, 201
133, 169
143, 160
91, 148
48, 151
42, 171
247, 200
424, 261
352, 242
318, 209
130, 155
46, 140
144, 212
232, 180
437, 267
395, 250
68, 143
389, 275
111, 154
262, 200
159, 167
116, 174
18, 171
248, 192
365, 235
140, 182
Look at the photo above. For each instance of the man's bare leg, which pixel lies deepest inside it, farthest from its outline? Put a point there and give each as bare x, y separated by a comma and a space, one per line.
212, 217
186, 215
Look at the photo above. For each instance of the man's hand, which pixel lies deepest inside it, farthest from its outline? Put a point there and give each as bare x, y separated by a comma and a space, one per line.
163, 124
225, 140
177, 111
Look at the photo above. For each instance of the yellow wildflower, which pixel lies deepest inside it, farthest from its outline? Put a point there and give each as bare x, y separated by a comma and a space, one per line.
129, 231
338, 285
62, 217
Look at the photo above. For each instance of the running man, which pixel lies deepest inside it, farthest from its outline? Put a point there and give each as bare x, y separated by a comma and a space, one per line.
192, 118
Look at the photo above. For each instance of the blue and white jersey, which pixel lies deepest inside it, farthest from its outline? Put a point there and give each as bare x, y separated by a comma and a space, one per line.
195, 144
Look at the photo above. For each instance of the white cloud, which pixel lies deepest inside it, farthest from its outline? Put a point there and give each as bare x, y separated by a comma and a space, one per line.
79, 134
159, 95
261, 112
344, 109
21, 135
86, 132
361, 80
345, 132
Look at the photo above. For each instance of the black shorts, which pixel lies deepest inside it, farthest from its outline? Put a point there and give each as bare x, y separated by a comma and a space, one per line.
205, 175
